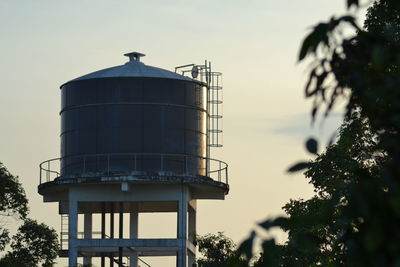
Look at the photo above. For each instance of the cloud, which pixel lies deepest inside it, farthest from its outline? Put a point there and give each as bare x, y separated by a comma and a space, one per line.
299, 126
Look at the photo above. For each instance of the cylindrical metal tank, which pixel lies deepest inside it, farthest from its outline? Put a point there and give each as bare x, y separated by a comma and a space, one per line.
133, 117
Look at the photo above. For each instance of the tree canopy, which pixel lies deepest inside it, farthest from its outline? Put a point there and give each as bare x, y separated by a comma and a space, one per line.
353, 218
12, 196
318, 222
34, 243
217, 250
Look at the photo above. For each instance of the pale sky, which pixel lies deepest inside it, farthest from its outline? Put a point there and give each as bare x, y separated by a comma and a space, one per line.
254, 43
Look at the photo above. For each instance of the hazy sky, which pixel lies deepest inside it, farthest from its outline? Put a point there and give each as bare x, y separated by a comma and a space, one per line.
253, 43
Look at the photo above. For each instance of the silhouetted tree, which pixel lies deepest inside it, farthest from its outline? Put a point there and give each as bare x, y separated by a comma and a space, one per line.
217, 250
353, 218
34, 244
318, 222
13, 202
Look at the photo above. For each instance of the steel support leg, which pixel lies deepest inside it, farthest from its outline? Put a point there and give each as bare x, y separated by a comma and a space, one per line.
182, 224
103, 230
72, 234
192, 234
133, 231
121, 231
87, 234
111, 229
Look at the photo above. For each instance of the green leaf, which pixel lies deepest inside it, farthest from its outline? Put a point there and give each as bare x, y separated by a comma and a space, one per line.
299, 166
311, 42
312, 145
320, 34
305, 47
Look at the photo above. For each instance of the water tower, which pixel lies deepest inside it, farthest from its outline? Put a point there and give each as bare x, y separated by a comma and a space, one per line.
135, 139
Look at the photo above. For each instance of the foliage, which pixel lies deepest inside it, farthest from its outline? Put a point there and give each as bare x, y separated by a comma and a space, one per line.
13, 202
353, 218
34, 243
319, 221
365, 68
12, 196
217, 250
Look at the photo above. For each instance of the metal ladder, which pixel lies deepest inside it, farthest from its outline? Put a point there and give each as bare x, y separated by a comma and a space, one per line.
64, 232
215, 101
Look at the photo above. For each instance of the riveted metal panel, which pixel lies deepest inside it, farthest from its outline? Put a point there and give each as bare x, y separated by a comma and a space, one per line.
122, 116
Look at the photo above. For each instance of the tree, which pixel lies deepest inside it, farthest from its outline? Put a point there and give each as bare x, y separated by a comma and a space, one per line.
315, 226
318, 222
34, 243
353, 219
13, 202
217, 250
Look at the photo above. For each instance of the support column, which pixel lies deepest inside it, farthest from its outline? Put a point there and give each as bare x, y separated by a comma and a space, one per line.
72, 233
192, 234
133, 231
182, 226
121, 231
87, 234
103, 230
191, 259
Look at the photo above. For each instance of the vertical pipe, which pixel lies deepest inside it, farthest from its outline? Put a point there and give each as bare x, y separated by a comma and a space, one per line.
111, 219
120, 257
121, 231
111, 229
103, 230
121, 220
103, 220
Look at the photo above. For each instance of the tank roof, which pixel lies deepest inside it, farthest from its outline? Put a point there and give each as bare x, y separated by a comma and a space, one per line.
133, 68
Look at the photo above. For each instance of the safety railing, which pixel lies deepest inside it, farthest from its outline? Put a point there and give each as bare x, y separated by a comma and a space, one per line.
128, 163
